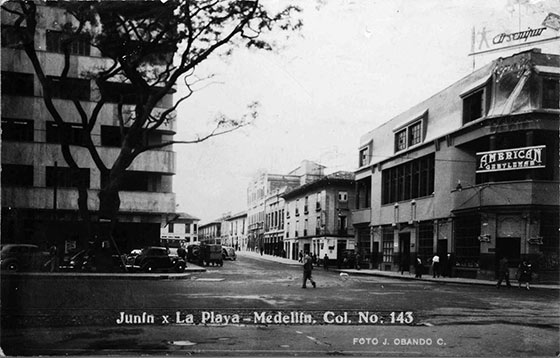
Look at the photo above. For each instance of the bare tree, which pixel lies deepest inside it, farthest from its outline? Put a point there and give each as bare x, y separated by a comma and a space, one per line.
151, 46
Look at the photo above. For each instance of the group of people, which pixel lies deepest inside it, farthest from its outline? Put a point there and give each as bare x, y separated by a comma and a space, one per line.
438, 268
524, 273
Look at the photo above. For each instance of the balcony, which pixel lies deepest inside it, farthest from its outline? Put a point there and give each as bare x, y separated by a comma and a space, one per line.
361, 216
510, 193
67, 199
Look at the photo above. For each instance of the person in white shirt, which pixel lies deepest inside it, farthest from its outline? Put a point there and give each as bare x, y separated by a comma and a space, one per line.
435, 265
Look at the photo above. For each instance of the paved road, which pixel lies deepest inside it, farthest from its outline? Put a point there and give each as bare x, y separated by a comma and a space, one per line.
61, 315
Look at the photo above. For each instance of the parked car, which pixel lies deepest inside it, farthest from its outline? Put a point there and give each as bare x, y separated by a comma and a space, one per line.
80, 261
157, 259
228, 253
23, 257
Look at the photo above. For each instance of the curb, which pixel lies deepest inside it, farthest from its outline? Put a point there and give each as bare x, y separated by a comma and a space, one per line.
103, 276
401, 277
443, 280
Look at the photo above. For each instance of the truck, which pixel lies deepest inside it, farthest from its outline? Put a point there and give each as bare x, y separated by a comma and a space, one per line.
210, 254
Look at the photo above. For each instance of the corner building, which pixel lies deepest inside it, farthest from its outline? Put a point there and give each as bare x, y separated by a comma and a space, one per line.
39, 195
472, 172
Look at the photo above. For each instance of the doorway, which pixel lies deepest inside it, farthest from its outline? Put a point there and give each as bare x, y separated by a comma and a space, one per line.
509, 247
404, 251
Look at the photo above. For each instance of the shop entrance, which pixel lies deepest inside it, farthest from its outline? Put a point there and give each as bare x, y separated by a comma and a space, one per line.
509, 247
404, 251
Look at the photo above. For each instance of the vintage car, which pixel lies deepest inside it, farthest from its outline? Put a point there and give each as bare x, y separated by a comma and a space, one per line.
23, 257
228, 253
155, 258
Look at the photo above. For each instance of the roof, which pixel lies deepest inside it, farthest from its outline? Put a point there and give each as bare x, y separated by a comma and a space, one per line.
341, 177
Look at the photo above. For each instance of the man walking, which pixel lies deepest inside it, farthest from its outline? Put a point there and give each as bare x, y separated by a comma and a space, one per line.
503, 272
435, 266
307, 268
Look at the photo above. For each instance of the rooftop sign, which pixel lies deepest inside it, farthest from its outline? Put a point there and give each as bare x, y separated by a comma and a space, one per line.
487, 40
511, 159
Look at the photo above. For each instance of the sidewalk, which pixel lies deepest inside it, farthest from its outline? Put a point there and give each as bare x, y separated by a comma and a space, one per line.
110, 275
392, 274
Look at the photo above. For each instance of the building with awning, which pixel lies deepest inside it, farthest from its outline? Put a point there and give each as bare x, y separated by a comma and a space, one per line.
471, 173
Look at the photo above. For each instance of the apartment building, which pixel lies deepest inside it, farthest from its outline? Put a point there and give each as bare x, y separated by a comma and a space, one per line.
262, 186
211, 232
471, 172
39, 196
318, 217
274, 223
236, 231
179, 230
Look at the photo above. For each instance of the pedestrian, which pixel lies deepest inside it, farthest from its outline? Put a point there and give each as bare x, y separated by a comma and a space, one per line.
53, 253
307, 269
449, 264
524, 274
300, 256
503, 272
182, 253
435, 265
418, 267
326, 262
358, 257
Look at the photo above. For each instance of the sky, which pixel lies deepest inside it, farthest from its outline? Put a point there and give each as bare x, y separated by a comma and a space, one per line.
355, 65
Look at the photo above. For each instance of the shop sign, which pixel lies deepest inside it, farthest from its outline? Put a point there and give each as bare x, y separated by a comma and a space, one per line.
486, 39
511, 159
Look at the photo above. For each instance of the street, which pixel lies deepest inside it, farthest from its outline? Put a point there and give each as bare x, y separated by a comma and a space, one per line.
256, 307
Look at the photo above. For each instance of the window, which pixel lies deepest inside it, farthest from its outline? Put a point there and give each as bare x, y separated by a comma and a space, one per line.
67, 177
306, 206
17, 175
551, 93
73, 133
70, 88
364, 156
415, 133
342, 196
407, 181
77, 46
318, 203
425, 240
111, 136
115, 92
473, 106
467, 246
170, 228
318, 226
17, 84
138, 181
17, 130
400, 140
342, 225
10, 37
388, 246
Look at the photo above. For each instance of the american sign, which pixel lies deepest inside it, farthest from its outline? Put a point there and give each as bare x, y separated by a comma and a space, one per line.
511, 159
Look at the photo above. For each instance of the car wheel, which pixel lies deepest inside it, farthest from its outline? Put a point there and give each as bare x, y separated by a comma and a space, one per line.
13, 266
180, 267
221, 263
148, 267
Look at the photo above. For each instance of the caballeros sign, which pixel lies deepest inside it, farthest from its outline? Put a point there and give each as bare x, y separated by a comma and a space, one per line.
511, 159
